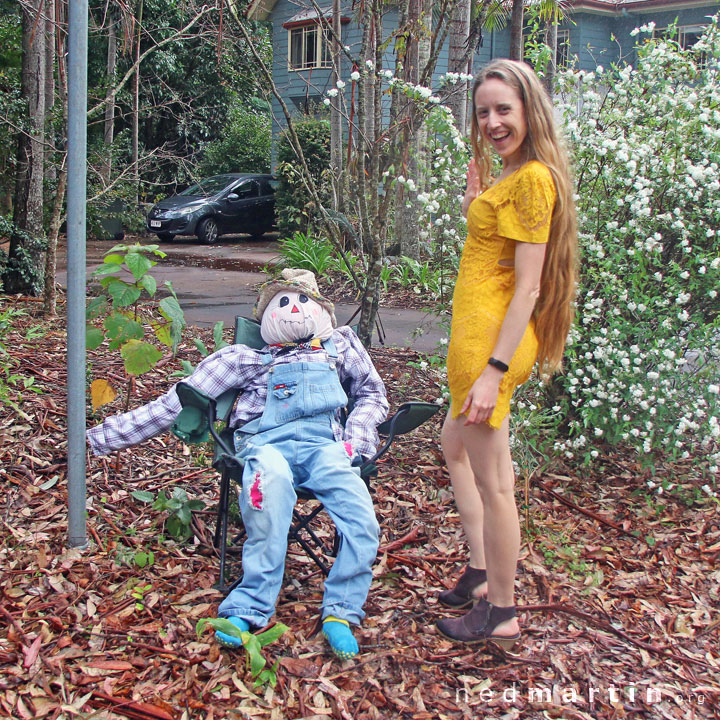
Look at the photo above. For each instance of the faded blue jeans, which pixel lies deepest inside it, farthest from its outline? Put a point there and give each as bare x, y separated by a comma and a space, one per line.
300, 453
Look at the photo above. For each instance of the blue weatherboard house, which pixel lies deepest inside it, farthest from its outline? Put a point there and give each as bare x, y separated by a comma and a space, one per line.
597, 32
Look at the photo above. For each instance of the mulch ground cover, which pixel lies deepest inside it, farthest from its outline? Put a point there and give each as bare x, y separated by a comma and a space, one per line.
617, 584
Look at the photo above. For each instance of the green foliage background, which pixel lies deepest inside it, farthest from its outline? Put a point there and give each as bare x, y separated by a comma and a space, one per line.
294, 206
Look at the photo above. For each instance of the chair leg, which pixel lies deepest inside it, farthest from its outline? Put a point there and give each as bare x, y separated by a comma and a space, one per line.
311, 552
301, 524
221, 526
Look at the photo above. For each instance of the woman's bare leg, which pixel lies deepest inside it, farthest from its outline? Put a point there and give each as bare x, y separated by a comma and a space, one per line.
488, 453
467, 496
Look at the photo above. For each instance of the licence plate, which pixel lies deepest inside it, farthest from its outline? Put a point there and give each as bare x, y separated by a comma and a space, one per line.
155, 223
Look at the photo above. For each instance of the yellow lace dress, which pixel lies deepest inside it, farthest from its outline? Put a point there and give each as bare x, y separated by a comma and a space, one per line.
516, 209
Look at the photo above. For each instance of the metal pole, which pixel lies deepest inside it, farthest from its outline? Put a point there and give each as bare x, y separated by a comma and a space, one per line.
76, 199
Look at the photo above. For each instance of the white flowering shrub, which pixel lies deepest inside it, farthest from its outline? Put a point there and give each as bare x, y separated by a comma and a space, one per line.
440, 188
643, 361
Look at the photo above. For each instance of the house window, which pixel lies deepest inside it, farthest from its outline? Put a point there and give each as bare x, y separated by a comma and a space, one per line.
309, 48
562, 52
685, 35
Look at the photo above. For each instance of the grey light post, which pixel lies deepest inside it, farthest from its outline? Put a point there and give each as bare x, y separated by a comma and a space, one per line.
76, 200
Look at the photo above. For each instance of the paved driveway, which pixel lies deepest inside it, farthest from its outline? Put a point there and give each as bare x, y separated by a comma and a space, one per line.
218, 282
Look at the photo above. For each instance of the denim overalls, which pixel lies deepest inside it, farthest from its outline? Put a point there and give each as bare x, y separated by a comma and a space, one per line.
292, 445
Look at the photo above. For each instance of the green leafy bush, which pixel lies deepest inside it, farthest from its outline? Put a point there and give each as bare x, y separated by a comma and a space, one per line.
179, 508
643, 359
128, 303
307, 252
294, 207
244, 145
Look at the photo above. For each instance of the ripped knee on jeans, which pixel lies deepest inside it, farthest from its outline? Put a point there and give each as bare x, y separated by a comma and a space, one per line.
255, 491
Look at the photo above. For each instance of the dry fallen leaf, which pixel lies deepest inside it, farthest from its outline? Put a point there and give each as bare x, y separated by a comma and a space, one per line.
101, 393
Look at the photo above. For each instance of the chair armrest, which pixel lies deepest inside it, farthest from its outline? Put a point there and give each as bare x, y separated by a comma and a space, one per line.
247, 332
192, 425
409, 415
199, 414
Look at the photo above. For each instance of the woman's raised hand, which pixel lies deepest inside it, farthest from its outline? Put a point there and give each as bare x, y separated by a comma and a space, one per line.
472, 186
472, 180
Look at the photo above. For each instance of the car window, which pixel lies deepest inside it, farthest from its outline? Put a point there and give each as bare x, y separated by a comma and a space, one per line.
274, 184
209, 186
267, 187
248, 188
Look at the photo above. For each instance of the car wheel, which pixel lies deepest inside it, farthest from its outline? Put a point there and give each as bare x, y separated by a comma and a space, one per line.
207, 231
165, 237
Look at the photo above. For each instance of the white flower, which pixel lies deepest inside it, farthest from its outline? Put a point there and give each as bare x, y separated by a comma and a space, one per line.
714, 389
332, 92
326, 101
340, 84
370, 64
355, 75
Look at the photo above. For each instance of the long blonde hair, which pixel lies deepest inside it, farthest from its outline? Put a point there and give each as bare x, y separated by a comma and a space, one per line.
554, 309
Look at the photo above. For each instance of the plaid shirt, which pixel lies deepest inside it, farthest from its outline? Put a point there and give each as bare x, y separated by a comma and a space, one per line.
242, 368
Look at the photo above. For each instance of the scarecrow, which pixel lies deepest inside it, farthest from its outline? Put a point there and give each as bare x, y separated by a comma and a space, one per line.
289, 436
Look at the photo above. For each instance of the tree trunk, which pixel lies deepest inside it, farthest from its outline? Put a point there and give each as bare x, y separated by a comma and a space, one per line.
406, 210
551, 40
459, 37
374, 232
50, 167
108, 135
516, 31
135, 141
49, 293
24, 271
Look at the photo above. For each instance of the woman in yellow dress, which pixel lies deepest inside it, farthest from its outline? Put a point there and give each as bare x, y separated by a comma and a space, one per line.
512, 307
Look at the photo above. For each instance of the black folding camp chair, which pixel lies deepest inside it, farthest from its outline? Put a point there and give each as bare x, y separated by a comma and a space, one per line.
203, 416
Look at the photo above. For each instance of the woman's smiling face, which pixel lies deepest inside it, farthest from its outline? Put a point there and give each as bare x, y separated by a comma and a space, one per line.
501, 120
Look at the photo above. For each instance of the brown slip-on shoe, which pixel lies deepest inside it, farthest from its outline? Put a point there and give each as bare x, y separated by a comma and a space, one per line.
462, 594
477, 625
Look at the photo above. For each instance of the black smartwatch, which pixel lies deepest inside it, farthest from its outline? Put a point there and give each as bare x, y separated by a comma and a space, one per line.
499, 364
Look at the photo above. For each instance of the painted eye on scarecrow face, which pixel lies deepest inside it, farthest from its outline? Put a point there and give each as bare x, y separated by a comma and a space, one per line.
284, 300
302, 298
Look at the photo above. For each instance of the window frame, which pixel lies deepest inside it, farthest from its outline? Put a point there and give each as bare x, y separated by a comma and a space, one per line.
682, 31
563, 56
321, 57
562, 50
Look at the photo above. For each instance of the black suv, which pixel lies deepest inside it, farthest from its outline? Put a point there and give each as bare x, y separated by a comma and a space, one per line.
232, 203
